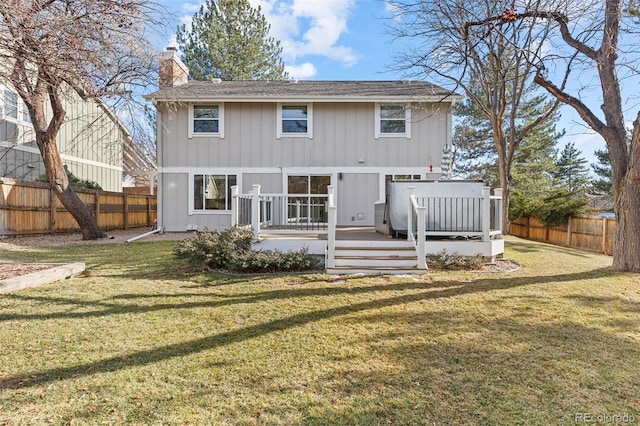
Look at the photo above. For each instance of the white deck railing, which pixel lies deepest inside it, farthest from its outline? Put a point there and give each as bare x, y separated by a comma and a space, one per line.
427, 216
453, 216
279, 213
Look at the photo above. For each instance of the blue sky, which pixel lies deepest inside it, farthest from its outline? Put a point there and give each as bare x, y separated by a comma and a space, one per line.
347, 40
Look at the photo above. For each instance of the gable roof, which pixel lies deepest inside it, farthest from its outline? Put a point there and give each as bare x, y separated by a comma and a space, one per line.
294, 90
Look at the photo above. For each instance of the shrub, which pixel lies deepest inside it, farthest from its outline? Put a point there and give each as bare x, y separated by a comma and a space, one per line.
214, 250
455, 261
274, 261
231, 250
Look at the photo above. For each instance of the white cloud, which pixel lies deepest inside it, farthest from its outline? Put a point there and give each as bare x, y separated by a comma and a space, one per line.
302, 71
310, 27
304, 28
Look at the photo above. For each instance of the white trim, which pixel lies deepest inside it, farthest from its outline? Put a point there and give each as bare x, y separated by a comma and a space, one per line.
407, 119
416, 170
280, 134
31, 150
220, 134
196, 212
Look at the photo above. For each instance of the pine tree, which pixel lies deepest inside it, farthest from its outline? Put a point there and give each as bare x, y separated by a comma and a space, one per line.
602, 169
229, 39
572, 172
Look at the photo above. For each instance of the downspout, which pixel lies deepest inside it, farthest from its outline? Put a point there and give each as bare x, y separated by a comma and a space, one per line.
159, 162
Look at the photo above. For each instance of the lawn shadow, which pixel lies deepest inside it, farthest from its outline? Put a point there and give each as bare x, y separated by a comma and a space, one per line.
420, 291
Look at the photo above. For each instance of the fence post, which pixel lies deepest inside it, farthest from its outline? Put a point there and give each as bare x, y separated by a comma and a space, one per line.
97, 207
125, 201
331, 225
422, 255
569, 226
604, 235
486, 213
52, 211
234, 205
412, 191
255, 212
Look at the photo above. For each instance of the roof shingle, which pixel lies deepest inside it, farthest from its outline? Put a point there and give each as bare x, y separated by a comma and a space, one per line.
283, 90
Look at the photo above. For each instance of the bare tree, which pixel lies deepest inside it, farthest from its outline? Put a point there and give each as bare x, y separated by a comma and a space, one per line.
485, 64
592, 40
49, 49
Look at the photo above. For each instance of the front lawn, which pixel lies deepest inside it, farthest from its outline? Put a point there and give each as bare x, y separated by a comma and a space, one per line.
137, 341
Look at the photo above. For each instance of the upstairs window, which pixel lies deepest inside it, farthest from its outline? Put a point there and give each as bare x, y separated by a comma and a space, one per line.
393, 121
295, 120
10, 104
206, 120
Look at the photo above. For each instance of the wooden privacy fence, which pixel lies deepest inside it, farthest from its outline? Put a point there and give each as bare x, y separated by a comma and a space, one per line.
28, 208
585, 233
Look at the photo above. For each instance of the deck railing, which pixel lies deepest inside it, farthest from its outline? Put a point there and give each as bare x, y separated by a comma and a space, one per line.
453, 216
280, 212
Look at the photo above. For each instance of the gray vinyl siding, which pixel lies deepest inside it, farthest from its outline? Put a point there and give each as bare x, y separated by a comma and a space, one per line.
270, 183
343, 137
357, 194
174, 207
342, 132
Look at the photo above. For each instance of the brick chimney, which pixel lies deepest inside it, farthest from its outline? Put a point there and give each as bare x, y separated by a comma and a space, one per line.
173, 72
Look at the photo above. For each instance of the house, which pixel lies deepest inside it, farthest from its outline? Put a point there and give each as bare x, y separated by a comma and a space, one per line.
91, 141
292, 148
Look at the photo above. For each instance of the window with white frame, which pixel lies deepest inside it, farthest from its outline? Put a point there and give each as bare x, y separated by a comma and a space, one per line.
10, 104
25, 113
393, 121
295, 120
206, 120
212, 192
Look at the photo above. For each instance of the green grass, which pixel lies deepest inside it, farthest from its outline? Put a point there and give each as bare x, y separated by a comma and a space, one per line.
136, 341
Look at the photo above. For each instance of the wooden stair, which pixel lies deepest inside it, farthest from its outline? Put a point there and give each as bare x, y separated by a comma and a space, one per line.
375, 257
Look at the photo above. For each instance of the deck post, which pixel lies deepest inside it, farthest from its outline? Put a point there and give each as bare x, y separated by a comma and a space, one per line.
234, 205
421, 248
331, 227
255, 211
498, 193
486, 213
412, 191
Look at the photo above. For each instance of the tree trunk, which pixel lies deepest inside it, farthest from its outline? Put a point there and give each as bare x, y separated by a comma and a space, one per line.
626, 246
59, 182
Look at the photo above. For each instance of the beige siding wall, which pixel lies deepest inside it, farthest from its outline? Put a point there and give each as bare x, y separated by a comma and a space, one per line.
343, 135
90, 142
343, 143
357, 194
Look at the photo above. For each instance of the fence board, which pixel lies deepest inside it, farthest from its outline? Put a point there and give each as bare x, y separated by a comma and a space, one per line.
29, 208
584, 233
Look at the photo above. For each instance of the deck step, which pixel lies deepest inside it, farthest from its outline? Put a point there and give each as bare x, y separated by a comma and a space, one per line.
374, 271
375, 257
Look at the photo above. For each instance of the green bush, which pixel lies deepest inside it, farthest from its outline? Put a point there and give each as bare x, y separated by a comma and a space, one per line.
444, 261
214, 250
231, 250
274, 261
74, 181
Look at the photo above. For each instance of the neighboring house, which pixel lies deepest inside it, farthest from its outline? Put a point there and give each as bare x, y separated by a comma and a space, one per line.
291, 137
91, 141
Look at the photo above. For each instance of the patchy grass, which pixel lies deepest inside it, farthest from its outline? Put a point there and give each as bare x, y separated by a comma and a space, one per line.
136, 341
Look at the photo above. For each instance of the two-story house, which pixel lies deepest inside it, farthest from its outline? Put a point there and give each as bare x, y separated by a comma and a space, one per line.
291, 137
91, 141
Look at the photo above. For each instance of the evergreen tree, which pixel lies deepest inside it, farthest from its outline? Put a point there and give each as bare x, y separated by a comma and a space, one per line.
230, 40
572, 172
602, 184
531, 165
